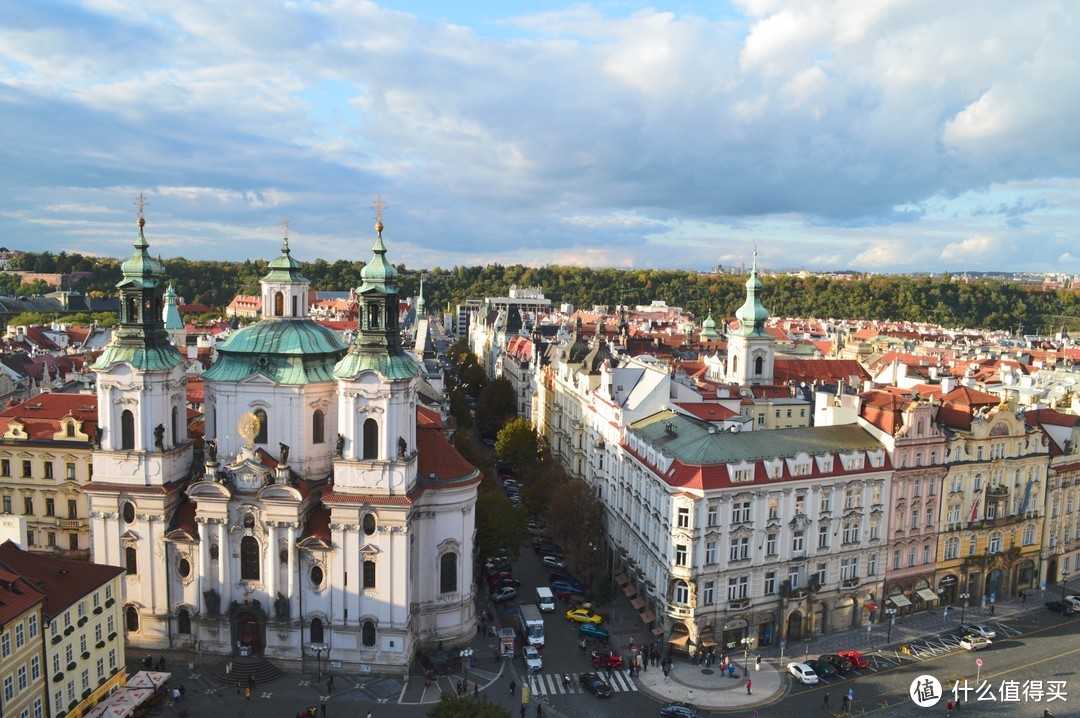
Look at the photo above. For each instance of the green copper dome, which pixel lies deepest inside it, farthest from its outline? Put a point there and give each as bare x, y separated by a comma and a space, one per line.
752, 314
284, 268
286, 351
708, 328
140, 269
378, 273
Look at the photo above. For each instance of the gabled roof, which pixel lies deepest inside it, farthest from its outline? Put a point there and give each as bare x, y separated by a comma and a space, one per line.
63, 581
17, 596
41, 416
438, 461
827, 371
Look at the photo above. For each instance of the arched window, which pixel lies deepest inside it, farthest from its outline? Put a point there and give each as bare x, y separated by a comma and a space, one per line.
448, 573
368, 524
371, 439
279, 304
1029, 535
316, 630
367, 633
734, 363
369, 574
249, 558
69, 429
183, 622
127, 512
952, 548
759, 365
681, 595
131, 619
373, 316
318, 427
127, 430
131, 561
175, 426
260, 438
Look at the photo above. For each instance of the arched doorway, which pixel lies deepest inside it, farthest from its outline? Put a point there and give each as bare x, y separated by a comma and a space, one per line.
1051, 572
248, 629
795, 626
993, 584
1025, 575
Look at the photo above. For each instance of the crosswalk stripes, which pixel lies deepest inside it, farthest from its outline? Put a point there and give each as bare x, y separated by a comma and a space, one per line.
548, 684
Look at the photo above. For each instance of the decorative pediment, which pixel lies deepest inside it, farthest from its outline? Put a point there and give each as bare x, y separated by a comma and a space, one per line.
800, 522
370, 551
280, 492
742, 531
16, 430
257, 378
208, 490
129, 537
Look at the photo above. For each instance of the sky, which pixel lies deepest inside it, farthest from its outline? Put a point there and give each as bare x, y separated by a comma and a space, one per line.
867, 135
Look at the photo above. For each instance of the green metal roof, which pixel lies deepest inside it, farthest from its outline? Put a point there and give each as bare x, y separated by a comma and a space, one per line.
173, 320
395, 367
689, 440
752, 314
284, 268
286, 351
143, 358
378, 273
140, 269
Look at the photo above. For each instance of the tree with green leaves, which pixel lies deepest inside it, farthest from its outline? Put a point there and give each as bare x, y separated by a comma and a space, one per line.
451, 706
518, 444
496, 405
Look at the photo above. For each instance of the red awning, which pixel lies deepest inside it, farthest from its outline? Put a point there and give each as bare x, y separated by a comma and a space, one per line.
870, 606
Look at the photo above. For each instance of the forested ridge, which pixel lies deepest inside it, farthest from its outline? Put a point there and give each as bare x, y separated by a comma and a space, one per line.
983, 303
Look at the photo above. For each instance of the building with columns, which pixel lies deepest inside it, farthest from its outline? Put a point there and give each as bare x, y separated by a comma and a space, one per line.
326, 513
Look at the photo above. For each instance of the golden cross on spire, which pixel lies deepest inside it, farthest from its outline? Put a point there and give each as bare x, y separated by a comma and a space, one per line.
379, 206
285, 227
141, 202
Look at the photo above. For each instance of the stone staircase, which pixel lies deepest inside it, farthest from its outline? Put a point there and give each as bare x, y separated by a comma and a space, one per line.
256, 667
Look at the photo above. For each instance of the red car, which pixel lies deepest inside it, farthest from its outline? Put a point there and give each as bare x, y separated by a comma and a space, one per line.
855, 659
613, 662
497, 578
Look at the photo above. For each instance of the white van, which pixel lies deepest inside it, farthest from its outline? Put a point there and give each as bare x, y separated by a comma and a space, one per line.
545, 600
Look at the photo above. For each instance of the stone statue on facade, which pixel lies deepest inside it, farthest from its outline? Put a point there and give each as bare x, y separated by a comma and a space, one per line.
339, 448
211, 451
159, 437
281, 607
213, 601
283, 454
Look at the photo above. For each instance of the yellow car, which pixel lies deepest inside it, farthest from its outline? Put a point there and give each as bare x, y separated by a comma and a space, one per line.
583, 615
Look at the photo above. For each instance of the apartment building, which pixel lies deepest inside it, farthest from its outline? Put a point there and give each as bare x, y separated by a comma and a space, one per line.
22, 657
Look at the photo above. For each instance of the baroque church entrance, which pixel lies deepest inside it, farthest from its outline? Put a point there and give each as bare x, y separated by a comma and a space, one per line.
248, 633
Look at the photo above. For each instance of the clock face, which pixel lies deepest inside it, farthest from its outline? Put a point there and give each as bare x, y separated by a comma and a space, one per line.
248, 427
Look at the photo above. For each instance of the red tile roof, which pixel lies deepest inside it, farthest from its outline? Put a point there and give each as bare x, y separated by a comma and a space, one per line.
41, 415
829, 371
706, 411
17, 596
63, 581
438, 459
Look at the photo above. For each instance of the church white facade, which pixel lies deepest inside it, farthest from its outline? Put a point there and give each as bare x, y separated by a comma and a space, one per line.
325, 513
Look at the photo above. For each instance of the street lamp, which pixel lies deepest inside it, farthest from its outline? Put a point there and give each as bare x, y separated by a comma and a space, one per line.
1064, 578
747, 642
466, 657
891, 613
963, 609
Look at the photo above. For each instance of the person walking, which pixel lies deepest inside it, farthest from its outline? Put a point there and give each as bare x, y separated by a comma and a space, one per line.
948, 709
237, 686
330, 684
247, 695
539, 711
513, 686
992, 607
667, 674
825, 701
475, 689
522, 710
748, 684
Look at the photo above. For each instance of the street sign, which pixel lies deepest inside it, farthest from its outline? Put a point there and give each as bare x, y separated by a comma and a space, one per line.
978, 662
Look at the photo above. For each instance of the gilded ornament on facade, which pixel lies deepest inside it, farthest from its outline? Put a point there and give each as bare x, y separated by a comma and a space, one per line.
248, 427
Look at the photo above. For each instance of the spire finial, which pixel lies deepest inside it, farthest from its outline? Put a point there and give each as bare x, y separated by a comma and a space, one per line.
141, 202
285, 234
379, 206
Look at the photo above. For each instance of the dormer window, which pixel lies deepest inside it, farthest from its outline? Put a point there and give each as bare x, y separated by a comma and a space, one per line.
69, 429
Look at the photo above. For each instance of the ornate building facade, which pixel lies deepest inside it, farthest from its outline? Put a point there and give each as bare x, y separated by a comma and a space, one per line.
326, 514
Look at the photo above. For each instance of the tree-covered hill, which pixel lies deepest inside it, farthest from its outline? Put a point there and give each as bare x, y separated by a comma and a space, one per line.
984, 303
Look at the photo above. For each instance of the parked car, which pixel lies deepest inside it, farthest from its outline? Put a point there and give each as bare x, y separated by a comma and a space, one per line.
803, 673
979, 630
973, 642
533, 662
823, 669
1060, 607
1073, 600
560, 576
511, 582
583, 615
593, 683
495, 578
591, 630
680, 710
855, 659
506, 593
552, 561
567, 587
842, 665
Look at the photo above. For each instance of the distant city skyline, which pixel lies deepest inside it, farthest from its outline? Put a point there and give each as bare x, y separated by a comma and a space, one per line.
831, 135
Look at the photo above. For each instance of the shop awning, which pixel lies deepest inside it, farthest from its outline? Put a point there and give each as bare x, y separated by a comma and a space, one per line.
658, 631
870, 606
638, 603
648, 616
622, 579
706, 642
899, 600
629, 590
927, 594
680, 641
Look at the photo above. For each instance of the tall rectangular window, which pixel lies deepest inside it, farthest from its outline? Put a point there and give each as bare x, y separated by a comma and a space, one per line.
708, 593
740, 512
770, 583
710, 552
683, 518
680, 555
770, 544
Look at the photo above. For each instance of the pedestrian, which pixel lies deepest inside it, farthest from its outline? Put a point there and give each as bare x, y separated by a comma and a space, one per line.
539, 711
825, 701
161, 663
513, 686
948, 709
566, 681
645, 665
148, 662
330, 684
322, 709
522, 710
247, 694
992, 606
748, 684
465, 687
667, 674
459, 687
369, 714
237, 686
844, 704
475, 689
183, 692
251, 681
